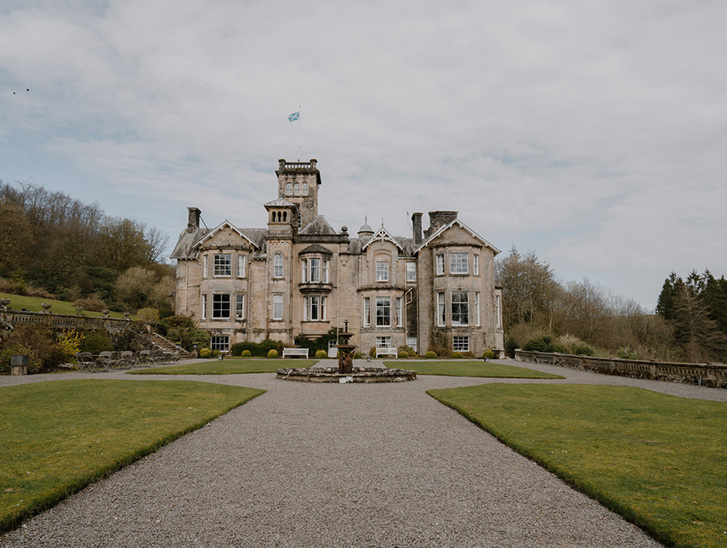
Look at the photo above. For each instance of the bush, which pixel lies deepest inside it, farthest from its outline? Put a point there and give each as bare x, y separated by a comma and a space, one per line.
409, 350
37, 342
96, 341
205, 352
92, 303
510, 346
457, 355
372, 352
321, 354
245, 354
273, 354
260, 349
357, 355
488, 355
181, 330
628, 353
403, 354
544, 344
582, 349
147, 315
430, 355
216, 354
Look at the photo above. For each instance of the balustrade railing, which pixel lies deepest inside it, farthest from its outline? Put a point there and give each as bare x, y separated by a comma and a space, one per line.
63, 321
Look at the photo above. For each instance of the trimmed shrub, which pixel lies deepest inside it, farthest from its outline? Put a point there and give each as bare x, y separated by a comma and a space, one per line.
409, 350
321, 354
457, 355
488, 355
357, 355
245, 354
430, 355
205, 352
216, 354
260, 349
273, 354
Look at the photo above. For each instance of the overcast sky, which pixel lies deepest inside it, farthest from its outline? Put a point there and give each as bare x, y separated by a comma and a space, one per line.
593, 133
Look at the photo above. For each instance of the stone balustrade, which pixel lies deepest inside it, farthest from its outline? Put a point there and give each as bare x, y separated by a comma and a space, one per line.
714, 375
18, 318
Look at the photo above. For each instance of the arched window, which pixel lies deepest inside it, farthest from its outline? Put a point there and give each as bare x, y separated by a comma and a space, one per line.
288, 189
296, 189
278, 265
285, 216
305, 189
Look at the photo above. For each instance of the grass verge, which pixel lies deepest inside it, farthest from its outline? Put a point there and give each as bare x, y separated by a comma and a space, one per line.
57, 437
659, 461
226, 367
470, 368
33, 304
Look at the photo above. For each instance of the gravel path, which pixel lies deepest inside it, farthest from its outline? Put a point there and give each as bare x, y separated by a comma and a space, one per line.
335, 465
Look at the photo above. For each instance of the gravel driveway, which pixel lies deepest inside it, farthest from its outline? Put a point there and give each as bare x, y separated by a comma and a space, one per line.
335, 465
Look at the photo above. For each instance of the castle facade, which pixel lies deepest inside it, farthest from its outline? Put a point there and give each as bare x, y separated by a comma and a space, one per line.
298, 275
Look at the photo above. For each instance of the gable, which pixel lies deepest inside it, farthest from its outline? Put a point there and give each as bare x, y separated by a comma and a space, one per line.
458, 233
226, 235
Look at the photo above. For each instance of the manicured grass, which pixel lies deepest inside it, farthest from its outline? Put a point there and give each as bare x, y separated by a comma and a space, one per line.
226, 367
660, 461
57, 437
470, 368
18, 302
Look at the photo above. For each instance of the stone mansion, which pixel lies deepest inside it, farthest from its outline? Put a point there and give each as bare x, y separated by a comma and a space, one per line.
298, 275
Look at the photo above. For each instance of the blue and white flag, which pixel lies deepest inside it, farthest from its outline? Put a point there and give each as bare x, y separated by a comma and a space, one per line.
293, 117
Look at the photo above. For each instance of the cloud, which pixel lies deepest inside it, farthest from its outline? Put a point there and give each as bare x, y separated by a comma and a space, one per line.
590, 132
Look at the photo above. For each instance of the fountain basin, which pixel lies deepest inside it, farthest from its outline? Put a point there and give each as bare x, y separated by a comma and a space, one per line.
359, 375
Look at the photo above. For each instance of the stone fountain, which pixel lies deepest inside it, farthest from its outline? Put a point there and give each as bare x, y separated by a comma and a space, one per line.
345, 372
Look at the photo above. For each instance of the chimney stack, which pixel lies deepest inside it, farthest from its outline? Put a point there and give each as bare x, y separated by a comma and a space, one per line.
438, 219
416, 221
193, 222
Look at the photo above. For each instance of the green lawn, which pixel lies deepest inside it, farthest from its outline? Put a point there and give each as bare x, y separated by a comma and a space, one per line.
18, 302
470, 368
57, 437
658, 460
226, 367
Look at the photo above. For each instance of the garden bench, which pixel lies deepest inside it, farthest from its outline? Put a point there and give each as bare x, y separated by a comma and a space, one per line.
386, 351
301, 352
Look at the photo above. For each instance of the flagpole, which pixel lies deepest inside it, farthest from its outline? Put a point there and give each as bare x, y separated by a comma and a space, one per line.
299, 122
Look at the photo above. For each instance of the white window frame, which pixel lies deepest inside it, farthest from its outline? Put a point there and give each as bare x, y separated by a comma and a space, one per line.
314, 308
461, 343
204, 306
240, 306
399, 315
241, 266
205, 271
441, 310
439, 260
314, 264
477, 309
304, 189
458, 263
382, 271
476, 264
222, 265
411, 342
296, 189
288, 188
218, 306
411, 271
304, 271
383, 311
278, 265
367, 312
324, 273
498, 312
383, 341
220, 342
277, 312
460, 309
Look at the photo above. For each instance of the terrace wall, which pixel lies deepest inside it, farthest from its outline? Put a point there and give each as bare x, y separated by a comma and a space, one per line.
714, 375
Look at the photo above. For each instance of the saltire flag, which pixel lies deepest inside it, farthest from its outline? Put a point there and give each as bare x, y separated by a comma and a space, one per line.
293, 117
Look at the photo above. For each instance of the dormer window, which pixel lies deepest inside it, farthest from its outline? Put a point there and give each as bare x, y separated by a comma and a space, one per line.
382, 271
222, 264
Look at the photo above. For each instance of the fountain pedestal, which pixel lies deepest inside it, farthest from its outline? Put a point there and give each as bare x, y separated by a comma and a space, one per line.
345, 352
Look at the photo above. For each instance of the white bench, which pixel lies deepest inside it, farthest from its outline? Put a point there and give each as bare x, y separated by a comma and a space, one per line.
301, 352
386, 351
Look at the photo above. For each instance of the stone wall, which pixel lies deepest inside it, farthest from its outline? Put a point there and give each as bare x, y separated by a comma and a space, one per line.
713, 375
64, 321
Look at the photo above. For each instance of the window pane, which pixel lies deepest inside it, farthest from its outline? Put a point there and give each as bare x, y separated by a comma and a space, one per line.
460, 308
441, 316
476, 264
220, 342
383, 311
314, 304
288, 189
382, 271
399, 319
315, 270
440, 265
221, 305
384, 342
367, 312
324, 279
277, 307
278, 265
204, 307
305, 189
241, 265
223, 264
411, 272
240, 307
458, 263
461, 344
477, 308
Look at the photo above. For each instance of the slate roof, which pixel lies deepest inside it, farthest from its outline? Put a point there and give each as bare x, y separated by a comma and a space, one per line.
319, 226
